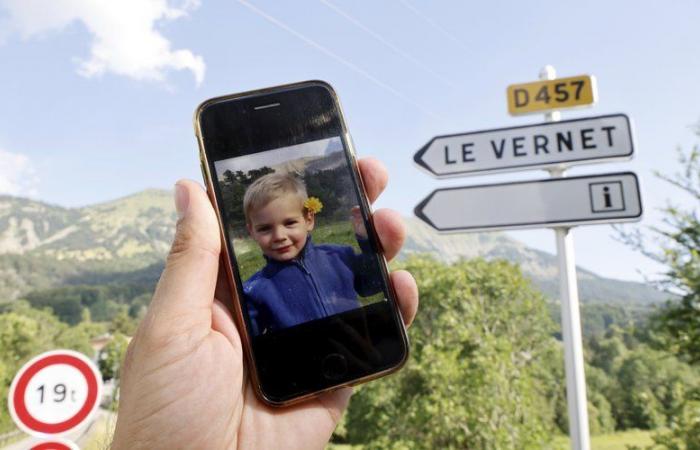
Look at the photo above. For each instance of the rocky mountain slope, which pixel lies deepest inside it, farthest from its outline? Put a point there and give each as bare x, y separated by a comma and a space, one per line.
539, 266
136, 226
43, 245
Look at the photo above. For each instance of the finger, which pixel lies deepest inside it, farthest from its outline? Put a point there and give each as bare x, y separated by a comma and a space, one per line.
186, 287
391, 231
374, 177
406, 294
222, 321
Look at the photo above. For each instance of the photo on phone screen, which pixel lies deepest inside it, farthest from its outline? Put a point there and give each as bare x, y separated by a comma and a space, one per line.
298, 234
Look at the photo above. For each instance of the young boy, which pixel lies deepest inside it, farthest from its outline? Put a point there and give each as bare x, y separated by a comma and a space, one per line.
300, 281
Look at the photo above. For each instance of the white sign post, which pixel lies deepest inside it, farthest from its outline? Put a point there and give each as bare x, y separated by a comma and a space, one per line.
558, 202
570, 318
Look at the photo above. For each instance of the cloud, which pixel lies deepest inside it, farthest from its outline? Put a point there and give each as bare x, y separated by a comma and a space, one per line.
17, 174
125, 40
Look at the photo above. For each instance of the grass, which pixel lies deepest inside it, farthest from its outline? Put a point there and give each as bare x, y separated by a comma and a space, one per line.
100, 437
612, 441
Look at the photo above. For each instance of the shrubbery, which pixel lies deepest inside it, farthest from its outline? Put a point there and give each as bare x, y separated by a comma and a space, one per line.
476, 377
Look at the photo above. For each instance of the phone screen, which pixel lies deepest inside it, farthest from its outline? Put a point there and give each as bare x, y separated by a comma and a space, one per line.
312, 284
296, 227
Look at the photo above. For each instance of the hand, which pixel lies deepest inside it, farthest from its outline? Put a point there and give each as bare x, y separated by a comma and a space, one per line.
358, 225
184, 383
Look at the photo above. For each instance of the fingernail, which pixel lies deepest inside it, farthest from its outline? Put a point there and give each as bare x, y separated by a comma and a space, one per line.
182, 200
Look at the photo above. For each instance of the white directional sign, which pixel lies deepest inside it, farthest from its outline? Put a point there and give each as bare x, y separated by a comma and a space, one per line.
568, 142
559, 202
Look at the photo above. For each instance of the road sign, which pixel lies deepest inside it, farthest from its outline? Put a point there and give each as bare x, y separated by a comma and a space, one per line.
55, 392
550, 202
55, 444
568, 142
546, 95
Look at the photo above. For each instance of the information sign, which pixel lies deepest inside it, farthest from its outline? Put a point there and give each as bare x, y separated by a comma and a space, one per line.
550, 202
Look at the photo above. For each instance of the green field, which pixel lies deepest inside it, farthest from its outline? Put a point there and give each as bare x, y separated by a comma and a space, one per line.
612, 441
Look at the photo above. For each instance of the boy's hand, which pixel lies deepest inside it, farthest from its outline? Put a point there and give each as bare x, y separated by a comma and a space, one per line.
184, 384
358, 225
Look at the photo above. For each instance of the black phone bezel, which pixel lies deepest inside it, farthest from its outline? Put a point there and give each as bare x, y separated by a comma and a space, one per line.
376, 329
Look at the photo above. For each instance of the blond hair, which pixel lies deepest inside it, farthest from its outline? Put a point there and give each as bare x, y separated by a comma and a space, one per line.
269, 187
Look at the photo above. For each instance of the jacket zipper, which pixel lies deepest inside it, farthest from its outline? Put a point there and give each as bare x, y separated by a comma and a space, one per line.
313, 283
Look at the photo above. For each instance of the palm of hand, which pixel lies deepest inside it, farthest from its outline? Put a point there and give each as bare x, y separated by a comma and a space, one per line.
207, 376
184, 383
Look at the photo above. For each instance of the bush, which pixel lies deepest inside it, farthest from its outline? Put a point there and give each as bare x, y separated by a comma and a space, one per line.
476, 376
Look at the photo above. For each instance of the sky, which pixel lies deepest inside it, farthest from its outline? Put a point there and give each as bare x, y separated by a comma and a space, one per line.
97, 96
276, 157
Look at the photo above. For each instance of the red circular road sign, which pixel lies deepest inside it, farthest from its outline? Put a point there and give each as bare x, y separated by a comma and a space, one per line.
55, 393
57, 444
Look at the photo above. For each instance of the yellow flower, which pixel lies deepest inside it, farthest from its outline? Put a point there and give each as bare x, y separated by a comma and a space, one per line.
313, 204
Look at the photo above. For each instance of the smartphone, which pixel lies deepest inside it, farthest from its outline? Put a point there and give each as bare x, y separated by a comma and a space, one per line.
311, 294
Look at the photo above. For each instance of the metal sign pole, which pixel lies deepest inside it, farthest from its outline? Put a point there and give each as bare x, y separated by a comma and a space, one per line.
570, 317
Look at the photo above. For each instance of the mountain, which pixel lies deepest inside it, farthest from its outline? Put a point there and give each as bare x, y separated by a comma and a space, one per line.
126, 240
329, 162
43, 245
293, 165
541, 267
136, 226
311, 164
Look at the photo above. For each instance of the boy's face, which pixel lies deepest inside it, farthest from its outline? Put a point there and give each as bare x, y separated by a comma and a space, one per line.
280, 227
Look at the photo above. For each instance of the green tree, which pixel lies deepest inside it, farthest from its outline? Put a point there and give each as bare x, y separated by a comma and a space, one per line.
684, 431
233, 187
5, 380
600, 414
25, 332
111, 357
78, 337
475, 378
677, 246
676, 328
123, 323
104, 302
637, 400
642, 386
334, 188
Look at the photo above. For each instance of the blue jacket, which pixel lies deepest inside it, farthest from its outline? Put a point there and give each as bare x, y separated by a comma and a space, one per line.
323, 280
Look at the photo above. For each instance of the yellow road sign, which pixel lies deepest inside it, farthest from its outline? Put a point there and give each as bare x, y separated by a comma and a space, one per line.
546, 95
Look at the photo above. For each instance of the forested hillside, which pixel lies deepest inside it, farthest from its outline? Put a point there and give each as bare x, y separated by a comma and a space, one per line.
486, 369
125, 241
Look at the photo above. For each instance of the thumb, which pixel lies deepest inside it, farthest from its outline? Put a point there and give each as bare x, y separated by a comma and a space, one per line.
185, 292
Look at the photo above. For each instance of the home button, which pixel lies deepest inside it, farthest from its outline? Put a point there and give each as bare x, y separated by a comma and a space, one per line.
334, 366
